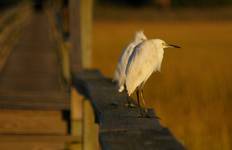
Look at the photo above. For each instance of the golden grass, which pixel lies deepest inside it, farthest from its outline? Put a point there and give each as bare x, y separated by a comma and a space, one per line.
192, 95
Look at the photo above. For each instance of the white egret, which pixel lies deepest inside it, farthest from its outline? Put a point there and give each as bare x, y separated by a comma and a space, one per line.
145, 59
120, 71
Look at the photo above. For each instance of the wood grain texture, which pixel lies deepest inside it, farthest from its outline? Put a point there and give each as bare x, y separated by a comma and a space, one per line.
32, 122
31, 77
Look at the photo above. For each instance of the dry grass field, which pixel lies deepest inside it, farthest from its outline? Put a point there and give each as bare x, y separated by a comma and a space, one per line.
193, 93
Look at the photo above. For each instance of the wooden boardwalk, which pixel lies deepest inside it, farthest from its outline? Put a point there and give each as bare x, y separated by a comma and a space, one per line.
34, 99
32, 77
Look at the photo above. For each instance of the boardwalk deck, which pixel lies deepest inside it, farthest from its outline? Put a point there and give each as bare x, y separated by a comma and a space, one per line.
34, 99
31, 78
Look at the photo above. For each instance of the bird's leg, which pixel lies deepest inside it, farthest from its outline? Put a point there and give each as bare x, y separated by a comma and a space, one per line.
143, 112
139, 104
128, 102
143, 100
138, 100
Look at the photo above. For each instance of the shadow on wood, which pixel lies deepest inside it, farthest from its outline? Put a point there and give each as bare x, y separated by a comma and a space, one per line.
120, 128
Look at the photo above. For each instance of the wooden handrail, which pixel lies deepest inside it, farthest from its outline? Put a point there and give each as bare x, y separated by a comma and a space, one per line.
10, 27
120, 128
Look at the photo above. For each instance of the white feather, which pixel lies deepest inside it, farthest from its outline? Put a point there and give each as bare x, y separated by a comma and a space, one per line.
145, 59
120, 72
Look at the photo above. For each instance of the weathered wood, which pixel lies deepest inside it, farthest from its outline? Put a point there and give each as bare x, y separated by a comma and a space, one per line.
31, 77
139, 140
75, 30
62, 46
38, 141
34, 100
32, 122
80, 32
34, 142
33, 145
122, 128
90, 130
38, 138
10, 27
27, 101
76, 113
86, 9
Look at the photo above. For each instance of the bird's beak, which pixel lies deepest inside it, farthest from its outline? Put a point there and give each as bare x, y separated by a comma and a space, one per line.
172, 46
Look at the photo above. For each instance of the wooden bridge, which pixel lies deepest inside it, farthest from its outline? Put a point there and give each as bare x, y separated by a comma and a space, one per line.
48, 100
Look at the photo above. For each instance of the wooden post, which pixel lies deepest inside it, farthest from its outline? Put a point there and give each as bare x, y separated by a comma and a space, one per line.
90, 131
80, 17
76, 118
80, 33
86, 24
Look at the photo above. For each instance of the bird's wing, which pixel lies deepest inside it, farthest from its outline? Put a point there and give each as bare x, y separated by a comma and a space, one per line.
119, 74
123, 60
140, 65
126, 57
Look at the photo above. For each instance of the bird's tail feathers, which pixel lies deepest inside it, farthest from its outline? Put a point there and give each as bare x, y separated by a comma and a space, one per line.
121, 89
121, 82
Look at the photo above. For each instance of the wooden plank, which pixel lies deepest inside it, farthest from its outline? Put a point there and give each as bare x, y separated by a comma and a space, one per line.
86, 10
33, 145
10, 29
90, 131
62, 46
32, 122
75, 39
33, 100
130, 121
28, 104
80, 32
76, 114
41, 142
31, 77
122, 128
138, 140
76, 119
27, 138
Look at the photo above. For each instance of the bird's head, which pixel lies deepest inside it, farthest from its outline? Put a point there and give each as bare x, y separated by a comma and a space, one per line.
139, 36
162, 44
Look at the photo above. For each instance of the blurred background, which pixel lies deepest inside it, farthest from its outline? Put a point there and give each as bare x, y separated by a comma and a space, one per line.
192, 94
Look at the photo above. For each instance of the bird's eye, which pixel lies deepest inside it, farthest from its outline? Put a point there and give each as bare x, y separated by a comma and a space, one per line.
163, 43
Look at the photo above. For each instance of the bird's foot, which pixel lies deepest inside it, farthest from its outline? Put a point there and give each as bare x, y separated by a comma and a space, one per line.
130, 105
144, 113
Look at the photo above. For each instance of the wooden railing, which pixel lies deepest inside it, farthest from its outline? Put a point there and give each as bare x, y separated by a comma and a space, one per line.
120, 127
11, 23
63, 46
